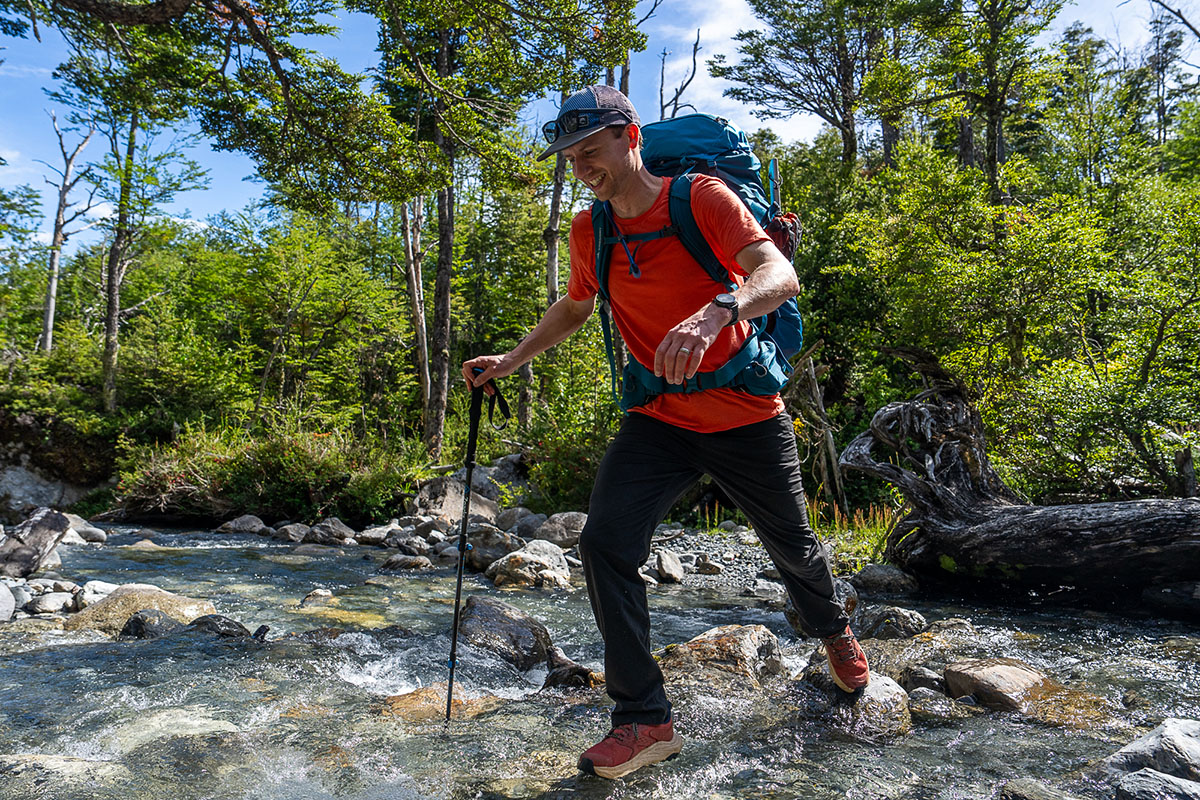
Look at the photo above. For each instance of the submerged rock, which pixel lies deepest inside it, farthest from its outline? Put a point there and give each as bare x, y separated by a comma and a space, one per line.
1025, 789
1002, 683
934, 708
149, 624
568, 674
110, 614
428, 704
505, 630
402, 562
219, 625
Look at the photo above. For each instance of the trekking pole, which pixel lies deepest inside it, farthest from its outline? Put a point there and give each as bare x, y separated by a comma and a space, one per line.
463, 547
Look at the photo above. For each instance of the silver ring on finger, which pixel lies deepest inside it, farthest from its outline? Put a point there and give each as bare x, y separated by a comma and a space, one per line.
685, 350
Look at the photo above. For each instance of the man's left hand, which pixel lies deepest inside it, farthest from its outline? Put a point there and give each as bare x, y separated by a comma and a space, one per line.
682, 349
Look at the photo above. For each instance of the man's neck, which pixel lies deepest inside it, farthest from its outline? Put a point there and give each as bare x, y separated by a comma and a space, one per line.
639, 196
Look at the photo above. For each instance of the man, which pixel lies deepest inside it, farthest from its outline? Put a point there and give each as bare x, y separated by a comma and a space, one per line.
664, 305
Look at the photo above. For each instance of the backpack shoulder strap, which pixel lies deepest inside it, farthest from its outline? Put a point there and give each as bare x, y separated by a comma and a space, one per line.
603, 256
679, 204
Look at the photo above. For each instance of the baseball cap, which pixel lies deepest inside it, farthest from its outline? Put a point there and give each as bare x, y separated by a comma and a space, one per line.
585, 113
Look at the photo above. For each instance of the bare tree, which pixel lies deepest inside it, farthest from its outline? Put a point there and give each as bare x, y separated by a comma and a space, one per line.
673, 104
414, 254
65, 215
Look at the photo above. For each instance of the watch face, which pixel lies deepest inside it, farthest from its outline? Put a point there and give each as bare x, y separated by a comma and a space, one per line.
725, 299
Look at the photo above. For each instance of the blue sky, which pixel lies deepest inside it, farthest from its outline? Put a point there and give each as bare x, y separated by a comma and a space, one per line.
26, 135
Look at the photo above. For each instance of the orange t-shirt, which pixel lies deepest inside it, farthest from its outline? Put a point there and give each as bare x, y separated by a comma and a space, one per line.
670, 288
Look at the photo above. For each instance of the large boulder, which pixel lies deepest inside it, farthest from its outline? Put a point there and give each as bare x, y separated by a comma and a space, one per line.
509, 517
879, 711
331, 531
1149, 784
443, 497
538, 564
748, 651
86, 530
505, 630
246, 523
488, 544
8, 603
295, 532
110, 614
149, 623
1172, 748
1003, 683
28, 547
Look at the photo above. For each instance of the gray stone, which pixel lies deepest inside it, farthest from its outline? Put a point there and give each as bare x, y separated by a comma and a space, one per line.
749, 651
247, 523
86, 530
375, 535
400, 561
511, 516
1149, 784
219, 625
149, 623
427, 527
649, 576
883, 579
706, 566
1173, 748
931, 707
317, 597
8, 603
72, 539
22, 489
294, 532
93, 592
412, 546
21, 595
918, 677
1002, 683
889, 622
766, 590
539, 564
443, 497
331, 531
51, 603
669, 567
317, 550
506, 631
879, 711
489, 544
1026, 789
528, 526
28, 547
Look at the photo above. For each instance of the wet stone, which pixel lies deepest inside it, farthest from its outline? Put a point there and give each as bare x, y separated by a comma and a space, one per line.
295, 532
1172, 748
931, 707
1001, 683
917, 677
402, 562
539, 564
750, 651
883, 579
149, 624
247, 523
317, 550
889, 622
110, 614
878, 712
565, 673
219, 625
489, 544
505, 630
428, 704
1026, 789
1149, 784
317, 597
330, 531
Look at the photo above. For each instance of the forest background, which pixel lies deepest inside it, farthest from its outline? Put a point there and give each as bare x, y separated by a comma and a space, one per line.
1023, 206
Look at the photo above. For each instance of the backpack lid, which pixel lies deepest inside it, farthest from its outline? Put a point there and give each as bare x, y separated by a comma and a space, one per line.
694, 137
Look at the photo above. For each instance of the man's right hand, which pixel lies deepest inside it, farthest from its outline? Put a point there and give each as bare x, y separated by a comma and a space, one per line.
492, 366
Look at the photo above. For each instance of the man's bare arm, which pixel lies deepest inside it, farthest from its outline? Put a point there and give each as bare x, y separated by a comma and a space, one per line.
560, 320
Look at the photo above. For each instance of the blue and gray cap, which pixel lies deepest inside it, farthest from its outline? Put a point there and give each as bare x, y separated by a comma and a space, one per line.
585, 113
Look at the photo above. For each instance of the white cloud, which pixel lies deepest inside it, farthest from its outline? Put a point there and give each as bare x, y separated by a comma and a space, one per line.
24, 71
102, 211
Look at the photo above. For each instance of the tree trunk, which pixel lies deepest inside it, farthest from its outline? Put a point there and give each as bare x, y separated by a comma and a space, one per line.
966, 132
551, 235
49, 310
115, 272
967, 526
416, 291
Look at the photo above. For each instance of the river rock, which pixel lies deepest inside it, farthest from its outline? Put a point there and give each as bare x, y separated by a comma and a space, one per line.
883, 579
509, 517
28, 547
93, 592
219, 625
144, 544
749, 651
86, 530
1173, 748
1026, 789
376, 535
427, 526
72, 539
538, 564
428, 704
331, 531
918, 677
1003, 683
934, 708
443, 497
567, 674
563, 528
51, 603
1149, 784
21, 595
528, 525
109, 615
151, 725
488, 544
247, 524
294, 532
505, 630
878, 711
411, 546
706, 566
669, 567
889, 622
402, 562
317, 550
8, 603
945, 642
149, 623
317, 597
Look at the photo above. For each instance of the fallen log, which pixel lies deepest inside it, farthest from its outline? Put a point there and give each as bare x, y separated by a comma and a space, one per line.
965, 523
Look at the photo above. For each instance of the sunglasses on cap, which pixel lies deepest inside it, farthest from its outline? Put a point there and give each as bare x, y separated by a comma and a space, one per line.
582, 119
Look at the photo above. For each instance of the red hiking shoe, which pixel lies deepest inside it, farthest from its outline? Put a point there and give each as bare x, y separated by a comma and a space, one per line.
847, 661
629, 747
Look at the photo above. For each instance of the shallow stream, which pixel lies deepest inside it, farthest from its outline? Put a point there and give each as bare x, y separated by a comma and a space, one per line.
189, 716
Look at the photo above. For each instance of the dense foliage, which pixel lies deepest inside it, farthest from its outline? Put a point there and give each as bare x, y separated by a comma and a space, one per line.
1028, 215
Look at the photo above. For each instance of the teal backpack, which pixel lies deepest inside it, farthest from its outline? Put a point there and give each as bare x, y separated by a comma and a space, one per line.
682, 148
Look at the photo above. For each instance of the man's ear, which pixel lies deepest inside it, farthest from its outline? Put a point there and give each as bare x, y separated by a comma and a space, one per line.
635, 135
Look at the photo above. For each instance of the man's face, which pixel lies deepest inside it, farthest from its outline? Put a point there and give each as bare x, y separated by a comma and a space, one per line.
603, 161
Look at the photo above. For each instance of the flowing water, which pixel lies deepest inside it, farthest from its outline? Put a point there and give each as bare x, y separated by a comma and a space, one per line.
193, 716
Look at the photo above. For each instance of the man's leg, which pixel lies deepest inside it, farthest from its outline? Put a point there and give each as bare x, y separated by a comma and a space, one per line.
758, 467
642, 475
